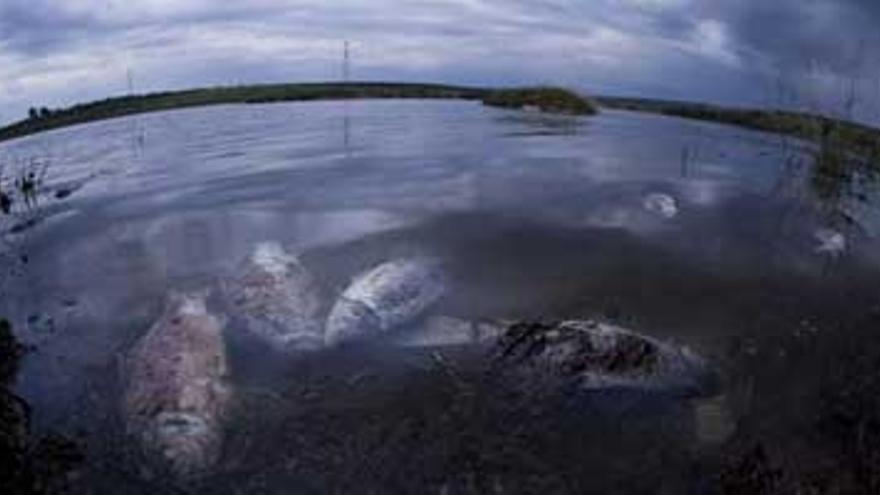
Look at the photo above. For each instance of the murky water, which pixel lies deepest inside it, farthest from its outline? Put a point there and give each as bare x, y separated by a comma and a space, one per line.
683, 230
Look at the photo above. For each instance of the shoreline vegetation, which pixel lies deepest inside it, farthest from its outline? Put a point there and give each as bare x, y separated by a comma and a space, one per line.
547, 99
858, 138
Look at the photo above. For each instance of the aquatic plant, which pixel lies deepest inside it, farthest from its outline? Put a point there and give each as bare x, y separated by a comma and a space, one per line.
21, 189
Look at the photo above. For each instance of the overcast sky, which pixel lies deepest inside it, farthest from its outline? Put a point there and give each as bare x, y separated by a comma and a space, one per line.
58, 52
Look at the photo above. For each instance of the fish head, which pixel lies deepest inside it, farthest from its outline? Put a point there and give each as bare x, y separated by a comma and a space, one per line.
350, 320
190, 303
271, 257
193, 306
185, 442
661, 204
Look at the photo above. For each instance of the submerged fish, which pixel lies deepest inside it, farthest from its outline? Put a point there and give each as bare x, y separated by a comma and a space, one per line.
388, 296
176, 393
661, 204
277, 299
831, 242
598, 356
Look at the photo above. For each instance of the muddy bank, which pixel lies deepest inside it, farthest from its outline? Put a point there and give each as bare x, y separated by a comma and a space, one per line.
29, 464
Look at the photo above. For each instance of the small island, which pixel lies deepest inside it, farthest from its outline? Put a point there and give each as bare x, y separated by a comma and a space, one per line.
545, 99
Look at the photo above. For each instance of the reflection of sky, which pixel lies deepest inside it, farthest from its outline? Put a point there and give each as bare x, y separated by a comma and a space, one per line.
204, 184
222, 177
405, 160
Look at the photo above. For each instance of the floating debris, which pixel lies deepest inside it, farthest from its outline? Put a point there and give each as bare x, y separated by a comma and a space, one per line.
598, 356
70, 302
277, 299
661, 204
388, 296
176, 393
831, 242
63, 193
20, 227
68, 188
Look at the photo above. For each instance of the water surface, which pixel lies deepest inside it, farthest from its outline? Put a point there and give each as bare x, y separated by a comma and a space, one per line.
538, 217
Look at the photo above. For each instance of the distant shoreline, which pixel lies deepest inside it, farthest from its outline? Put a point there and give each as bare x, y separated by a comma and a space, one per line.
824, 131
859, 138
122, 106
556, 100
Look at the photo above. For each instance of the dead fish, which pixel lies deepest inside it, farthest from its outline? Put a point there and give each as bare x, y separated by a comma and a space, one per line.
384, 298
661, 204
831, 242
176, 393
595, 356
277, 299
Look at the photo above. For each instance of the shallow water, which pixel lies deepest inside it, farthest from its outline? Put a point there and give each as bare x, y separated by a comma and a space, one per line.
536, 217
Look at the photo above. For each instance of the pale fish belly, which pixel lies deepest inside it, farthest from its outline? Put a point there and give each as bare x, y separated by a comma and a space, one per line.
386, 297
176, 392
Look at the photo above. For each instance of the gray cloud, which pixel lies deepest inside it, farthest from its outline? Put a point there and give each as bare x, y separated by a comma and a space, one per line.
55, 52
